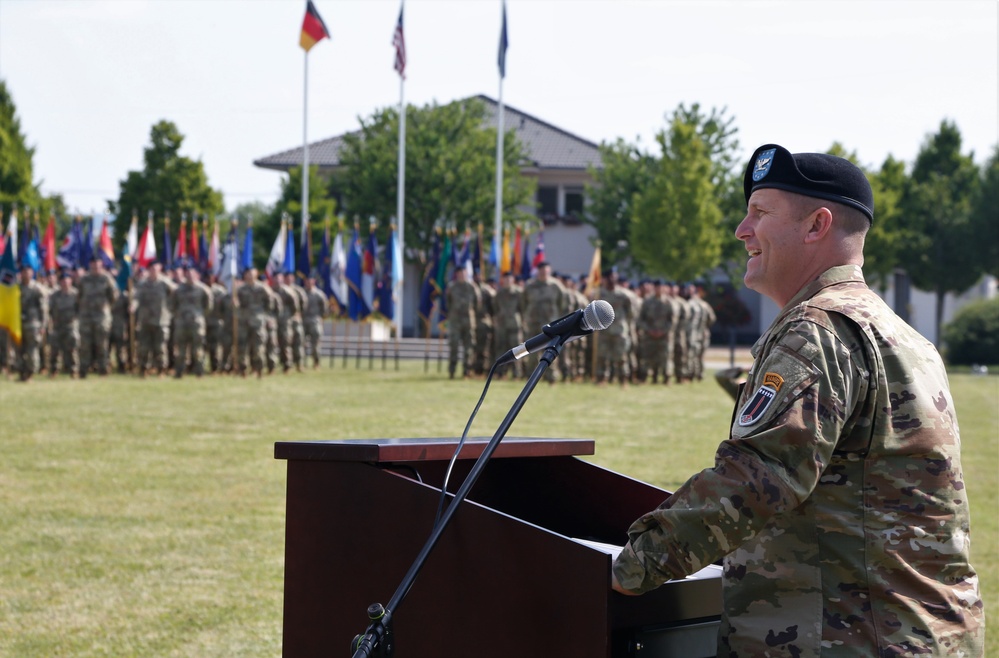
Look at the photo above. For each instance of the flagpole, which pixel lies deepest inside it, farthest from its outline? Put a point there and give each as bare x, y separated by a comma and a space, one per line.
500, 131
400, 210
305, 145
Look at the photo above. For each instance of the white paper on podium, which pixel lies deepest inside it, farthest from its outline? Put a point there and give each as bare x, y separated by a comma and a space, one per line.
710, 571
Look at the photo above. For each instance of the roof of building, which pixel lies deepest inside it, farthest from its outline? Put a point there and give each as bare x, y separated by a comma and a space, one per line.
547, 146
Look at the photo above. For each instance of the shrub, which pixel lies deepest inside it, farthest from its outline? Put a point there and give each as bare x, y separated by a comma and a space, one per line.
972, 337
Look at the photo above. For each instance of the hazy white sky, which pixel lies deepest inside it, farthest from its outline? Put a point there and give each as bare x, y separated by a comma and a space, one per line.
90, 78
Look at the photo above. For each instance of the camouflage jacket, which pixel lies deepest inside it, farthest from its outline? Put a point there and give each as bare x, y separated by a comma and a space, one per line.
838, 502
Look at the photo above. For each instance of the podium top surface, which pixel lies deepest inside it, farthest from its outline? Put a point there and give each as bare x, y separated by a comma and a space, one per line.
427, 449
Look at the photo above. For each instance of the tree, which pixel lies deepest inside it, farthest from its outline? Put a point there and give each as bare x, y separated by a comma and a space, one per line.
168, 183
943, 252
887, 234
16, 186
450, 170
625, 171
676, 226
628, 171
984, 214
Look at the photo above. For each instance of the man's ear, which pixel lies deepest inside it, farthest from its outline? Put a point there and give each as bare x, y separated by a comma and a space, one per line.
820, 223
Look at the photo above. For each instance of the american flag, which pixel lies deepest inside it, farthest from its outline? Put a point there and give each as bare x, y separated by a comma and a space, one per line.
399, 41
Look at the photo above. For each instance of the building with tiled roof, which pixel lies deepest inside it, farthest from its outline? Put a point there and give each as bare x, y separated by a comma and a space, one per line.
559, 160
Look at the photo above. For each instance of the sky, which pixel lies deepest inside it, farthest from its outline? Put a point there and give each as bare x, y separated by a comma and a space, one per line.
90, 78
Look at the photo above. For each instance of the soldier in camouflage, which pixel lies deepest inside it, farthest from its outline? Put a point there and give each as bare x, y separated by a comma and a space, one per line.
214, 326
255, 306
152, 320
190, 304
507, 321
462, 305
64, 336
120, 343
615, 341
838, 503
544, 301
98, 292
655, 324
317, 307
483, 325
34, 319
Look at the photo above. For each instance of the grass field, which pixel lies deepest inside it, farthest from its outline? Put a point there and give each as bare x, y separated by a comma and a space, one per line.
146, 518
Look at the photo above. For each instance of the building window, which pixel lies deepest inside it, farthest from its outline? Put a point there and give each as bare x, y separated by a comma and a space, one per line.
573, 204
547, 201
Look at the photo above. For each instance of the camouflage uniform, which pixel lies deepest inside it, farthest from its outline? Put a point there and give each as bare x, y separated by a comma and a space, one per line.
224, 309
120, 322
190, 304
462, 304
316, 308
152, 322
507, 323
702, 336
544, 301
98, 292
271, 327
256, 306
289, 319
655, 324
64, 338
683, 314
214, 337
838, 502
615, 340
484, 329
296, 330
34, 318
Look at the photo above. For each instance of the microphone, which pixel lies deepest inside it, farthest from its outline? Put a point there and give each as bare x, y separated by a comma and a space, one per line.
596, 316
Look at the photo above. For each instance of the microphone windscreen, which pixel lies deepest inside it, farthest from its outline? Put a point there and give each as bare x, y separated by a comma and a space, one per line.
598, 315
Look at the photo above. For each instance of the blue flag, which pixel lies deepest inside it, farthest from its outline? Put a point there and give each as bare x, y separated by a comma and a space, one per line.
304, 261
167, 249
356, 308
87, 245
390, 276
246, 262
289, 252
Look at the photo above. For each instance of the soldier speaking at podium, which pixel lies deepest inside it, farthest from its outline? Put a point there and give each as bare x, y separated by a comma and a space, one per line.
838, 501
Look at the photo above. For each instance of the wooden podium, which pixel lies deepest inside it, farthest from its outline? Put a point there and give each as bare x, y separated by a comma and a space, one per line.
512, 575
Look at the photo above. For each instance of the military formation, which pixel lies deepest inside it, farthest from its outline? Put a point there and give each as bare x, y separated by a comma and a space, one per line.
79, 323
660, 332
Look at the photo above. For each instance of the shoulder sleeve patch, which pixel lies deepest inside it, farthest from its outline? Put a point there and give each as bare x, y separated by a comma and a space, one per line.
786, 374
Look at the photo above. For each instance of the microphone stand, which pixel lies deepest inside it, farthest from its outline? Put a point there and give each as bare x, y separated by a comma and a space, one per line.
377, 639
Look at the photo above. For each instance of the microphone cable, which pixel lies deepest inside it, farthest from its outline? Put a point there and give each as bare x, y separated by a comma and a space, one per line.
461, 442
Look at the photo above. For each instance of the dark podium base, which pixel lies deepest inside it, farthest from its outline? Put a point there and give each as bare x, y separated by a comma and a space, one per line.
511, 576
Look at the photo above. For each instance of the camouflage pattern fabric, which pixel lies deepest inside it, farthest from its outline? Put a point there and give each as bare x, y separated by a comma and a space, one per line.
462, 304
64, 339
838, 502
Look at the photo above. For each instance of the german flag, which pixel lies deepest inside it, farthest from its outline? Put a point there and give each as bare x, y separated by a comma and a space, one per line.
313, 28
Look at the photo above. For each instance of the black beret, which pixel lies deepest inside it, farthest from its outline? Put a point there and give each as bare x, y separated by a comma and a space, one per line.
818, 175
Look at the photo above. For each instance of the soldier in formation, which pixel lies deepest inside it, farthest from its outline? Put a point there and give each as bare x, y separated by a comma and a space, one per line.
316, 308
98, 293
462, 300
34, 319
64, 332
191, 303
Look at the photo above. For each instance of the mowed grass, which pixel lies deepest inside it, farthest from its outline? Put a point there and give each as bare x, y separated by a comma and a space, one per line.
146, 518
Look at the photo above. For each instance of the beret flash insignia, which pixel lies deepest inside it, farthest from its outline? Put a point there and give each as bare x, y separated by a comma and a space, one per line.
763, 163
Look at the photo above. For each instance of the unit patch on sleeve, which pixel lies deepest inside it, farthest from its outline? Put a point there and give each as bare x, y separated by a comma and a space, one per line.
760, 402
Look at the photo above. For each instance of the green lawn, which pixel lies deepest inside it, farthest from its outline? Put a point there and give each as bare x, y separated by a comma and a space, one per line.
146, 518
